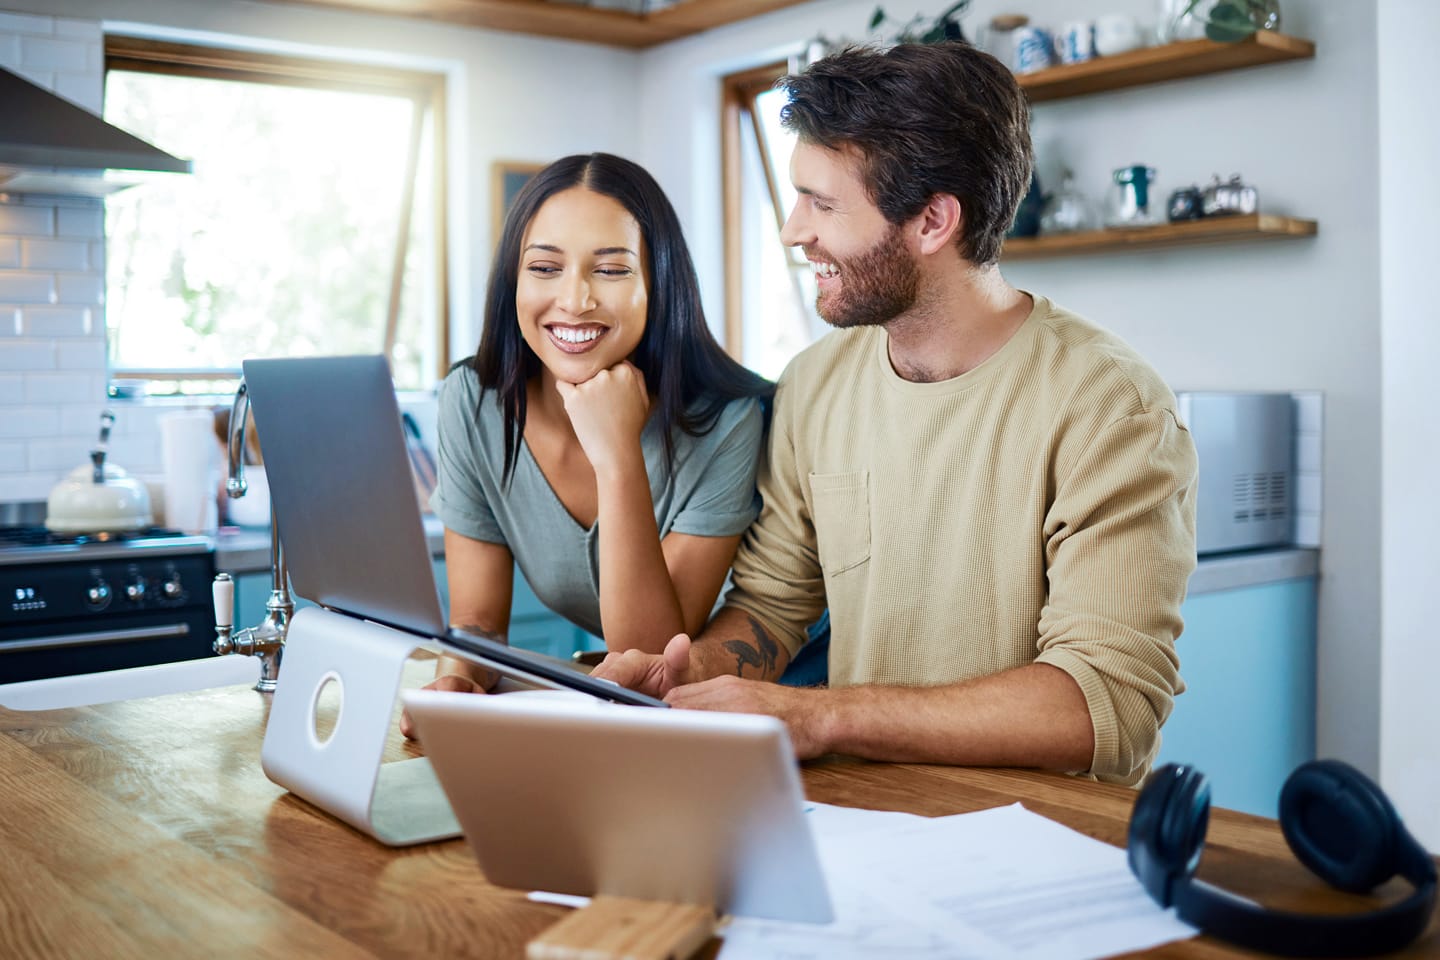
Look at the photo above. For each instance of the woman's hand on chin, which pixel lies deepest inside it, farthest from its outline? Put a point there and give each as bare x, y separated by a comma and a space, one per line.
608, 412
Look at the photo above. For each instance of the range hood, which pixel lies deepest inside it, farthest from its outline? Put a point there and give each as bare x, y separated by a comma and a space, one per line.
49, 145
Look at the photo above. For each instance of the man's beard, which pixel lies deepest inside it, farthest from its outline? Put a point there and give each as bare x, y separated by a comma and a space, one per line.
875, 287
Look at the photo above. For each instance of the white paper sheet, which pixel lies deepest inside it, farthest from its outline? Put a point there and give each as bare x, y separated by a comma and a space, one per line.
1001, 883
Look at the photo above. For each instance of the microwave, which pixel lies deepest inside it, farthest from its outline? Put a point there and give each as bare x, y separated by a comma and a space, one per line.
1245, 496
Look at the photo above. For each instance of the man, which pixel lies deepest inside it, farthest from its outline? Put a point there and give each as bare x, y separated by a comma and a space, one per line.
994, 498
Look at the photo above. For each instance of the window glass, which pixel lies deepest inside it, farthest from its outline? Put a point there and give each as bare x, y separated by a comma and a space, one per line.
778, 305
284, 240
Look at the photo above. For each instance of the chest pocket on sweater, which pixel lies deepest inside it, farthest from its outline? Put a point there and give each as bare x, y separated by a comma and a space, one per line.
841, 503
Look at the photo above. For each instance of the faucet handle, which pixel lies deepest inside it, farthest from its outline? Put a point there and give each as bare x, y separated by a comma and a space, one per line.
223, 593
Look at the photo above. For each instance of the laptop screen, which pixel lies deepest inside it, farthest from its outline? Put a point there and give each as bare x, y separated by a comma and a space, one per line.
342, 489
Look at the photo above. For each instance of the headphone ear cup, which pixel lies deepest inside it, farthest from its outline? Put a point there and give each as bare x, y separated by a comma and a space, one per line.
1167, 829
1187, 818
1341, 825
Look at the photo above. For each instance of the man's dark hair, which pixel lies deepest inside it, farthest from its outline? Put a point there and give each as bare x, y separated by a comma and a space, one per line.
926, 118
689, 373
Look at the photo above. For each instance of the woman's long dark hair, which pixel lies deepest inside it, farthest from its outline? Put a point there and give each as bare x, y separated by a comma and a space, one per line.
691, 377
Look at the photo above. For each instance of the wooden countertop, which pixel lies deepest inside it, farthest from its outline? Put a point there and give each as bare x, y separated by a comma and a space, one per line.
146, 828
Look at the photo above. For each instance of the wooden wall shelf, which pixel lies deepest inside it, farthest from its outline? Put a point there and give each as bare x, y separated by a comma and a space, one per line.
1256, 226
1173, 61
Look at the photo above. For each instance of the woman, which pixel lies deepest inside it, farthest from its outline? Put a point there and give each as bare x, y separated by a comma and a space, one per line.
599, 438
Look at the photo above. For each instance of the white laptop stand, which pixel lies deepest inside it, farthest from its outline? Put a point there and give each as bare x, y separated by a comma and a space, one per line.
398, 803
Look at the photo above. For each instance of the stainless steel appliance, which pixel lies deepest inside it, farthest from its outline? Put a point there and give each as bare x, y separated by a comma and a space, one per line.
1246, 446
79, 604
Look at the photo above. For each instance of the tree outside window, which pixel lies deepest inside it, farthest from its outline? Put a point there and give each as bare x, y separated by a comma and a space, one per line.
313, 223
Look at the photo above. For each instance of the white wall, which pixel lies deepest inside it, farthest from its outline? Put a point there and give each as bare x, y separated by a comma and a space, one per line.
1298, 315
511, 97
1410, 334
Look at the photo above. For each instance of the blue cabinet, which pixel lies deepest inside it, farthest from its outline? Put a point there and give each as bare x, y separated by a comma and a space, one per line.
532, 624
1247, 717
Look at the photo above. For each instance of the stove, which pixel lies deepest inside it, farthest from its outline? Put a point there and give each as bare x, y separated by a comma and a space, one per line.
80, 604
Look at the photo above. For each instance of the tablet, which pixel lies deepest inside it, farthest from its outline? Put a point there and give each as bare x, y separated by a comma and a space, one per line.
559, 792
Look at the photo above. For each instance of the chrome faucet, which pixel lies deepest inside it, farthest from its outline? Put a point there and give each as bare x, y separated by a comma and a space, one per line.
266, 639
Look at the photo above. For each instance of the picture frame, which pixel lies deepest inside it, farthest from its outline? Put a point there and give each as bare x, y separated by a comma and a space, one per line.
507, 177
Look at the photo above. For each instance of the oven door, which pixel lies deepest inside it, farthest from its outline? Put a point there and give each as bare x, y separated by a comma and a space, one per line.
139, 639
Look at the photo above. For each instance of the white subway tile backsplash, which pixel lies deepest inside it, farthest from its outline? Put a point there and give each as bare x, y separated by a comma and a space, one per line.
78, 419
56, 54
137, 453
23, 23
80, 289
1307, 530
52, 283
25, 423
55, 254
27, 287
1309, 411
84, 222
32, 221
9, 51
81, 90
87, 31
60, 388
140, 418
62, 453
1308, 457
1307, 493
87, 354
27, 486
22, 355
56, 322
12, 388
12, 457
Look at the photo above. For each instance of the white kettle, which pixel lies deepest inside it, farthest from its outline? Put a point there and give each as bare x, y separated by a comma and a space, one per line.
98, 497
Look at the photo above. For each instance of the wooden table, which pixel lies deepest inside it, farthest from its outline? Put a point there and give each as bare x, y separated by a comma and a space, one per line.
147, 829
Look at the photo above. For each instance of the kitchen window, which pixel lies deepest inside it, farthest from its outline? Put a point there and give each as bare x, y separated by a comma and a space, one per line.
313, 223
770, 288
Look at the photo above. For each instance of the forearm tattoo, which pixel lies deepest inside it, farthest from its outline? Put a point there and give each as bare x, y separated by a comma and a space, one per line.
761, 656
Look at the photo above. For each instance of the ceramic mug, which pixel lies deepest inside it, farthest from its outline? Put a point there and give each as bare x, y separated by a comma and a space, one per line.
1116, 33
1075, 43
1032, 49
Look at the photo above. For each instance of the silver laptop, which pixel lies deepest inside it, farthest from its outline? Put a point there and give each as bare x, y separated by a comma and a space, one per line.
600, 798
344, 498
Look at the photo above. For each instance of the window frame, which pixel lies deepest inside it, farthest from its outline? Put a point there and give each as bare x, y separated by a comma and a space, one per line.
426, 90
738, 93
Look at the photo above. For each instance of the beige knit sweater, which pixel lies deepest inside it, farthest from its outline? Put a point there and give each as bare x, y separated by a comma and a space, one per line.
1037, 508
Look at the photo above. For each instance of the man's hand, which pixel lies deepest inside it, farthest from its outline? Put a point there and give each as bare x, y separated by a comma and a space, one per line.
608, 412
448, 681
654, 674
800, 710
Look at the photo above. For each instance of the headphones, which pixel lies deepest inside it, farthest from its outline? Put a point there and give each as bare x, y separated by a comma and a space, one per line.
1338, 823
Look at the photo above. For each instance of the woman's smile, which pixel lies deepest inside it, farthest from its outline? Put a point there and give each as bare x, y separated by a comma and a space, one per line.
580, 338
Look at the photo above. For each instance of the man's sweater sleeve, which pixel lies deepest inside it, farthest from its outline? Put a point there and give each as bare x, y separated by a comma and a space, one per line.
776, 577
1120, 548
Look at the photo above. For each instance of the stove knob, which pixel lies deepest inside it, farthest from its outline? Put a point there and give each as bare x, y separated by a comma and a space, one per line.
98, 596
135, 590
172, 588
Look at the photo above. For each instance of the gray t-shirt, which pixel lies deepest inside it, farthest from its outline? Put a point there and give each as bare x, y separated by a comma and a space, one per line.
713, 493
